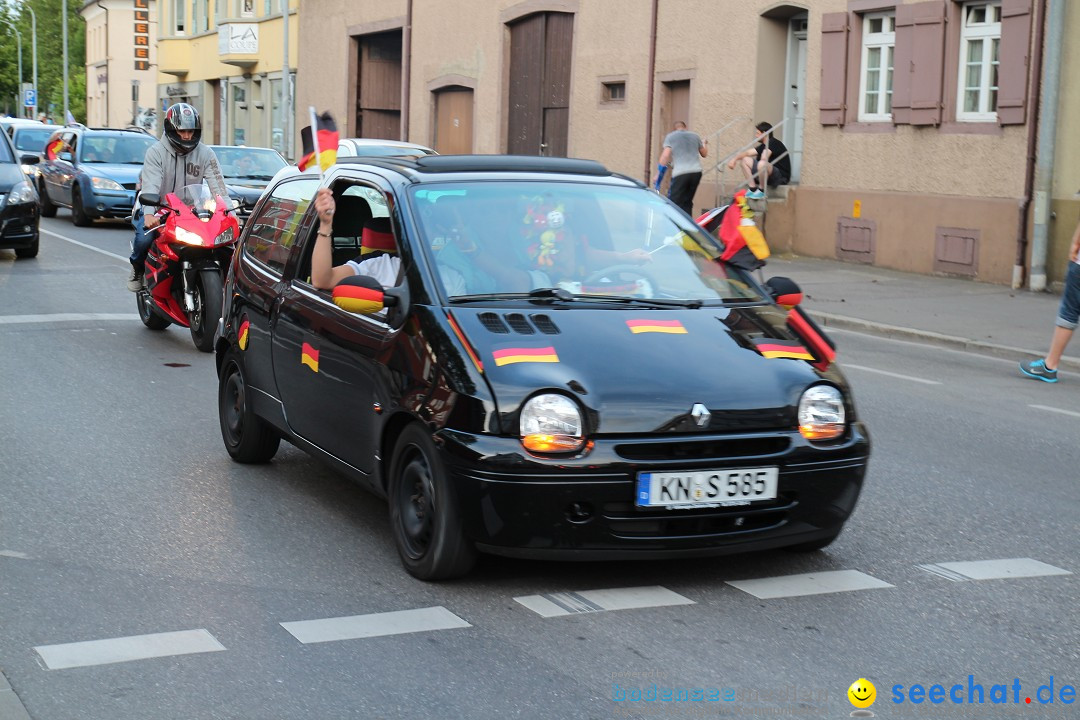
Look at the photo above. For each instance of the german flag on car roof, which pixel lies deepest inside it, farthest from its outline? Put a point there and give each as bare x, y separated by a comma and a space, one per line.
326, 133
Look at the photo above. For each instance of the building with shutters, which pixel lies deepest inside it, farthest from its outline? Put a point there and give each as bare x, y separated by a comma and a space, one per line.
909, 124
226, 57
121, 40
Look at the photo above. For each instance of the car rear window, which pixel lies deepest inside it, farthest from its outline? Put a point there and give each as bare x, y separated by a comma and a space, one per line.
129, 150
32, 139
273, 230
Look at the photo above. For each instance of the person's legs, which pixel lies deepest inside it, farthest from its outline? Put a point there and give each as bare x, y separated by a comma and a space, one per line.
683, 188
140, 245
749, 169
1067, 320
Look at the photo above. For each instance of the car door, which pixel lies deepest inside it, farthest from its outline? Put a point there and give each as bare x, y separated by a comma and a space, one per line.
65, 165
52, 167
327, 362
267, 242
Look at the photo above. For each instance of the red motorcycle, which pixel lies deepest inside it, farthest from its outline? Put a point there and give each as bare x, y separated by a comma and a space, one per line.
187, 262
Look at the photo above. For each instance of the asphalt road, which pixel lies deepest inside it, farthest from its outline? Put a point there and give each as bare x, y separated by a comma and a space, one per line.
122, 516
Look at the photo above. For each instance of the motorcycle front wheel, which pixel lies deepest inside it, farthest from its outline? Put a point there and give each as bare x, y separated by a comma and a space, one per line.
209, 295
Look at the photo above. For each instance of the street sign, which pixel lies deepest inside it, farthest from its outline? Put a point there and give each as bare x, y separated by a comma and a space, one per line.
29, 98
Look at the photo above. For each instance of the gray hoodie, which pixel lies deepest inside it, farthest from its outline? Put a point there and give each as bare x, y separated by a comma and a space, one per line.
164, 171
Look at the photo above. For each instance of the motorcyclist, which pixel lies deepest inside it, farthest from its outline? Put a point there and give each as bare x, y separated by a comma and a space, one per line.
179, 158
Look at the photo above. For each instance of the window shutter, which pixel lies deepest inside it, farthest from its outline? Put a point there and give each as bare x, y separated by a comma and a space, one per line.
927, 62
834, 39
902, 59
1014, 57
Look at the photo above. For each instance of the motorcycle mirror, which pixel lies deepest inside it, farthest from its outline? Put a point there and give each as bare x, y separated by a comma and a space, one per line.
150, 199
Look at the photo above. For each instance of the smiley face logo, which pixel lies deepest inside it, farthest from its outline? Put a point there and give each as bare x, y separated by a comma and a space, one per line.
862, 693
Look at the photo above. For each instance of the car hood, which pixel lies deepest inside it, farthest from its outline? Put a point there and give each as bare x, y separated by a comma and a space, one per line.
10, 173
248, 189
120, 173
646, 381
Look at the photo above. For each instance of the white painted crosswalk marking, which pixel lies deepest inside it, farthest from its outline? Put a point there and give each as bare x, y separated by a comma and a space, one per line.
64, 317
1070, 413
355, 627
14, 554
818, 583
588, 601
124, 649
898, 376
994, 569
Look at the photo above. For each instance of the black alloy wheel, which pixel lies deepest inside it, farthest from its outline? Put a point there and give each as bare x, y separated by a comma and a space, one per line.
248, 438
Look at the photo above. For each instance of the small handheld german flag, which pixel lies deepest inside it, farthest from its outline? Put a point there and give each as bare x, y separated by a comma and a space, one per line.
53, 149
321, 147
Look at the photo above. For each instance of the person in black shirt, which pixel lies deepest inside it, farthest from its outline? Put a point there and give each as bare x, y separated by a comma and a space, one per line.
766, 164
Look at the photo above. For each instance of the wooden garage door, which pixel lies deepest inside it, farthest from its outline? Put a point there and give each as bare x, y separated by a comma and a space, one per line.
378, 92
454, 120
539, 96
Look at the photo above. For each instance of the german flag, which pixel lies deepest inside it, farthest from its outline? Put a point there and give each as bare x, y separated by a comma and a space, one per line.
309, 356
673, 327
53, 149
242, 335
359, 294
327, 135
772, 348
508, 356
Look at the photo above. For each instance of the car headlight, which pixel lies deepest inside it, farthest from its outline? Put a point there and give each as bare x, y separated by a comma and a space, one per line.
224, 238
31, 170
22, 192
187, 237
551, 423
821, 413
101, 183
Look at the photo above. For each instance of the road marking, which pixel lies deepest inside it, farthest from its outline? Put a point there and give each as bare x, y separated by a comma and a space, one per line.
88, 247
13, 554
376, 625
1054, 409
891, 374
125, 649
64, 317
589, 601
994, 569
809, 584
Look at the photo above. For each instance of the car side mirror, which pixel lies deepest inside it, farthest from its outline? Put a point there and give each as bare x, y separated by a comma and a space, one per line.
66, 156
784, 291
152, 199
361, 294
29, 160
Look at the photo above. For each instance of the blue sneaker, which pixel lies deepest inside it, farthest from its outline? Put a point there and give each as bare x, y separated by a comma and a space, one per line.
1037, 369
754, 195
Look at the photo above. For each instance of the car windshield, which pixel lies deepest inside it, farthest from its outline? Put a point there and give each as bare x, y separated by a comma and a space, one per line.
32, 139
571, 241
125, 150
248, 163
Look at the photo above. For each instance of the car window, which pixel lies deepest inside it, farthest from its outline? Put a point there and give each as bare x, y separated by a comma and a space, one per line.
32, 139
5, 152
273, 231
376, 200
587, 238
115, 149
248, 163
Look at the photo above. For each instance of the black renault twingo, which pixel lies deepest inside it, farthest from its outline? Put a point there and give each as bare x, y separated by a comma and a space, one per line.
565, 368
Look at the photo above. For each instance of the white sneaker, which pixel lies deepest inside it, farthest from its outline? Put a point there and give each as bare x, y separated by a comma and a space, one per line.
135, 280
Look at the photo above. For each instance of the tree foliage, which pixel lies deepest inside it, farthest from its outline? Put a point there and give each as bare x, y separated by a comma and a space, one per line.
50, 52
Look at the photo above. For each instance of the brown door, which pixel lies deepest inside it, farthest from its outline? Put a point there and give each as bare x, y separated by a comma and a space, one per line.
675, 106
453, 121
539, 96
378, 92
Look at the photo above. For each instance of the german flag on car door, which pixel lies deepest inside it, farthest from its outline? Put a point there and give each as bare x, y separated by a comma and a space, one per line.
309, 356
327, 135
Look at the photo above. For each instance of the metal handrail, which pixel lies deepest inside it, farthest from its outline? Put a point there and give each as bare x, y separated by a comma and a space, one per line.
720, 169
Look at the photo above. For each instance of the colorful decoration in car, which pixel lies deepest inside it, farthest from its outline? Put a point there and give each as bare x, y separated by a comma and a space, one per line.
309, 356
673, 327
544, 223
511, 355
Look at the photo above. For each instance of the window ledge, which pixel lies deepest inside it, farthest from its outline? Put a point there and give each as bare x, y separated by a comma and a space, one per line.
870, 127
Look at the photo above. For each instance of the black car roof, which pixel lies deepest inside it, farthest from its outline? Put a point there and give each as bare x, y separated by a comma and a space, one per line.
418, 168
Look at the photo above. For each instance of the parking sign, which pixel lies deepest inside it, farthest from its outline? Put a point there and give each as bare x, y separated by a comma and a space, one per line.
29, 98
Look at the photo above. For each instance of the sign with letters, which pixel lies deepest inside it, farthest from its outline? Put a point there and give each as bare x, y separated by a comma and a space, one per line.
238, 39
142, 34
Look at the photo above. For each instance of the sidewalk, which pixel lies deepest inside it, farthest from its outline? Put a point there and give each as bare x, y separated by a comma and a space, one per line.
962, 314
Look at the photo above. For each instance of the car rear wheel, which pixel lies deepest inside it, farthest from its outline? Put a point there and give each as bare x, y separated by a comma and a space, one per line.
29, 251
47, 208
147, 313
248, 438
209, 295
423, 511
78, 212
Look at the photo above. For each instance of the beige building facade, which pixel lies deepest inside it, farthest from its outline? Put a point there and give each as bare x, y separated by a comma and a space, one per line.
121, 42
909, 124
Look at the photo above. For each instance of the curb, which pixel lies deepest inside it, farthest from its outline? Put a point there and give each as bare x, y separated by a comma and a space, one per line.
11, 707
925, 336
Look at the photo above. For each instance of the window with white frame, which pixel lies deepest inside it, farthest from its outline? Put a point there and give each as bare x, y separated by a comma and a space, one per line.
980, 44
876, 83
179, 16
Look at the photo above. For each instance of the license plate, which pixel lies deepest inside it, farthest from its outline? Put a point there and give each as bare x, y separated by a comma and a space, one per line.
706, 488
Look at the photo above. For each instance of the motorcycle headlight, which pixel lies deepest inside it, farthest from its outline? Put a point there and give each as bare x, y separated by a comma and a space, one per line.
22, 192
224, 238
821, 413
187, 237
551, 423
101, 183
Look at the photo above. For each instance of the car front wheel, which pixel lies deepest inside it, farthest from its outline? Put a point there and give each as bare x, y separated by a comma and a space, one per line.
78, 212
47, 208
423, 511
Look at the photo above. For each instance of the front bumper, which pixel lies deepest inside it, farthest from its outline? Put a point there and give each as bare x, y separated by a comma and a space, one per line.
583, 509
18, 225
112, 205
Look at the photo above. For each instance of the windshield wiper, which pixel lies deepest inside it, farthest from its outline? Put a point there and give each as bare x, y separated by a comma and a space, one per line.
546, 294
655, 302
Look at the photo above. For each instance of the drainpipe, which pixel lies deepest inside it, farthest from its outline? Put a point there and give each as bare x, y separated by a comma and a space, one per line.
406, 70
1044, 162
649, 101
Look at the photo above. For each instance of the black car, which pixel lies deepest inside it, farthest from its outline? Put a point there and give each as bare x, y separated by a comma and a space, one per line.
19, 215
564, 367
247, 172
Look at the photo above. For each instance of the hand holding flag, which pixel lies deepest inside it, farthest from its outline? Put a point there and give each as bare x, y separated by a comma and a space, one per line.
320, 145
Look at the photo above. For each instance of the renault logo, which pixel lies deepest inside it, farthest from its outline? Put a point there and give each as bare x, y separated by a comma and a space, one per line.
700, 414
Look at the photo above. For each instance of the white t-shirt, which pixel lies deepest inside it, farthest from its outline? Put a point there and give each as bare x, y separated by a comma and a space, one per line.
384, 268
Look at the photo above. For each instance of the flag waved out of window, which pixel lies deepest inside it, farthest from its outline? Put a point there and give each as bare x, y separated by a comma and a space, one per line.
320, 144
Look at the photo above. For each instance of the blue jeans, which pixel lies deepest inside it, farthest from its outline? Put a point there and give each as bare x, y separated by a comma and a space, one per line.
1069, 311
140, 245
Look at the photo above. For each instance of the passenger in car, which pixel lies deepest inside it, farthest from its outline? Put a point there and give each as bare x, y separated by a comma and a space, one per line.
378, 251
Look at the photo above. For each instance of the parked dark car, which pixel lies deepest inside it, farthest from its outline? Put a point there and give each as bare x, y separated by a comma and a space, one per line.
247, 171
30, 139
19, 218
564, 368
92, 171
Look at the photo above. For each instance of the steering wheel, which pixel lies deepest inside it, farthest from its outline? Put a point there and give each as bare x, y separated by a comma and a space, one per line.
593, 280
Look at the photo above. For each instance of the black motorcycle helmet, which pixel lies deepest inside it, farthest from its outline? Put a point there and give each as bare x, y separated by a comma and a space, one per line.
182, 116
